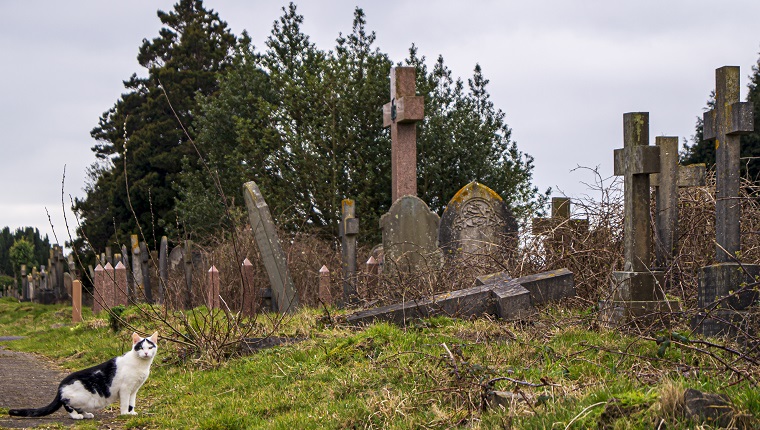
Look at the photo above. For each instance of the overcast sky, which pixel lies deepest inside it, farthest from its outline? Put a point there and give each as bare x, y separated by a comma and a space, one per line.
564, 72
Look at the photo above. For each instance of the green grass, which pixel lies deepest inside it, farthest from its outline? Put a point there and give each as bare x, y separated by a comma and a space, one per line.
387, 377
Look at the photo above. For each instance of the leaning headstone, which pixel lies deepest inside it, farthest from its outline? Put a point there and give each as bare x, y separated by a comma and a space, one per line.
68, 283
410, 237
476, 222
274, 259
348, 231
637, 291
725, 289
401, 115
672, 176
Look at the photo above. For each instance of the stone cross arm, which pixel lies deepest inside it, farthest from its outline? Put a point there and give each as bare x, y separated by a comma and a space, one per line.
405, 107
738, 118
636, 160
690, 175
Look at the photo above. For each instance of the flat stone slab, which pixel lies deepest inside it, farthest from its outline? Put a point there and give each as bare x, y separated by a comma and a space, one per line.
512, 300
9, 338
501, 296
492, 278
473, 301
724, 322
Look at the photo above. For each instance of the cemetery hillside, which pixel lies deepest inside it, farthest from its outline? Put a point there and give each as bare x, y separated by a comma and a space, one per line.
333, 238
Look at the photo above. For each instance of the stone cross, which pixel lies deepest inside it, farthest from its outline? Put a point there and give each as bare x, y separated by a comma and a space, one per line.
725, 123
348, 230
274, 259
635, 161
401, 115
666, 183
560, 217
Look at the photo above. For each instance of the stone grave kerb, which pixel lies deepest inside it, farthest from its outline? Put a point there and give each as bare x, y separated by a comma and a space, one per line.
723, 298
666, 183
401, 114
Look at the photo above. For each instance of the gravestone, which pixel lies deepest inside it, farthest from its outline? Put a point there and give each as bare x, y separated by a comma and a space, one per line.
723, 295
560, 230
476, 222
68, 283
24, 285
98, 294
410, 236
666, 183
265, 233
145, 270
120, 289
250, 296
637, 292
76, 301
59, 264
324, 295
212, 285
348, 230
137, 273
401, 115
176, 257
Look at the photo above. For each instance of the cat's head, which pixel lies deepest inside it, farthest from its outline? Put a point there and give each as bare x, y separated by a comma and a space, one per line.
145, 347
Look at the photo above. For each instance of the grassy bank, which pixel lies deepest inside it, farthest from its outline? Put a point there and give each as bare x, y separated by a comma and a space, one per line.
560, 369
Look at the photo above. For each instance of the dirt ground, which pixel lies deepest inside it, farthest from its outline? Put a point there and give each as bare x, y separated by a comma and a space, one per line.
27, 381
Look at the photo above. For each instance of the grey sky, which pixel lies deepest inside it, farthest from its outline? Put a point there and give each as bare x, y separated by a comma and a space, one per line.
564, 72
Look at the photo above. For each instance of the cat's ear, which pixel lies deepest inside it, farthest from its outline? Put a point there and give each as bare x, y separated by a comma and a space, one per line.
135, 338
154, 337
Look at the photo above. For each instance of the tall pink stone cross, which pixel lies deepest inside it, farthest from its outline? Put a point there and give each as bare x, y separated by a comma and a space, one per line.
401, 115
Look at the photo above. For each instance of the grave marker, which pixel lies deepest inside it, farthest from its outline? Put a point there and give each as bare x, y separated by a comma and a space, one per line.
666, 183
120, 293
99, 293
637, 291
145, 271
560, 228
212, 284
163, 268
265, 232
250, 296
401, 115
348, 230
476, 221
723, 298
410, 236
325, 297
76, 301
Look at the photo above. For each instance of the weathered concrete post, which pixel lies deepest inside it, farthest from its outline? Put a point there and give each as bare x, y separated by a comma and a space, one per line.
212, 283
163, 268
120, 297
372, 276
274, 259
60, 288
98, 293
348, 230
637, 291
722, 296
325, 297
666, 183
250, 294
137, 274
401, 115
76, 301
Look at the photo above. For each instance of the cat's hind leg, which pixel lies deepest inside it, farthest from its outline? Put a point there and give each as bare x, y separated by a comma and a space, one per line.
73, 413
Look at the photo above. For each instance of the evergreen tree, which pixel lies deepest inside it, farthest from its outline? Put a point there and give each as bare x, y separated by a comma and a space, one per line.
702, 151
141, 140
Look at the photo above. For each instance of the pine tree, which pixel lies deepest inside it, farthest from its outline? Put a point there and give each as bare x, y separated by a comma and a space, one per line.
141, 140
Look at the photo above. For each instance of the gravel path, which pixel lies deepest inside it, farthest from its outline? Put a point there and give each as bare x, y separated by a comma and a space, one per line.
29, 382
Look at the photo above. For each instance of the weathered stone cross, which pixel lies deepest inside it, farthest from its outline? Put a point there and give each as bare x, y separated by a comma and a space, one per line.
671, 177
635, 161
401, 115
725, 123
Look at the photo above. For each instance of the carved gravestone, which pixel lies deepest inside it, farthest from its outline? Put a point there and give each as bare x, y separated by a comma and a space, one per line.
410, 236
476, 221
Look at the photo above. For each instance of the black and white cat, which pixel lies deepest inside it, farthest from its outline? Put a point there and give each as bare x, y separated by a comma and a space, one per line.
94, 388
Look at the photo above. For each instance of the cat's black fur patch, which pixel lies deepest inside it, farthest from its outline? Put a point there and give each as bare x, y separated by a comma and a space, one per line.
96, 379
138, 346
131, 408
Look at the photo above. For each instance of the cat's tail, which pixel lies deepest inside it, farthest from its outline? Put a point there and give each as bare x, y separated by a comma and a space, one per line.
41, 412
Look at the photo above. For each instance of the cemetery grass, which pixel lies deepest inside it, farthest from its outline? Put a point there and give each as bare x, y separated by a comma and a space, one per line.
559, 369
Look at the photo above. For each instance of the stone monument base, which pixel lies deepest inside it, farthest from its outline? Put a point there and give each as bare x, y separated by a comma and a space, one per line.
638, 313
638, 286
719, 283
726, 322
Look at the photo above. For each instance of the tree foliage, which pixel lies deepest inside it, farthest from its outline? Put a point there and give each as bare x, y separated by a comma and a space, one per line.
40, 246
22, 253
141, 140
306, 125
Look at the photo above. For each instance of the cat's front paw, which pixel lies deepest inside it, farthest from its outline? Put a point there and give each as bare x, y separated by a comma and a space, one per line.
131, 413
76, 415
88, 415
